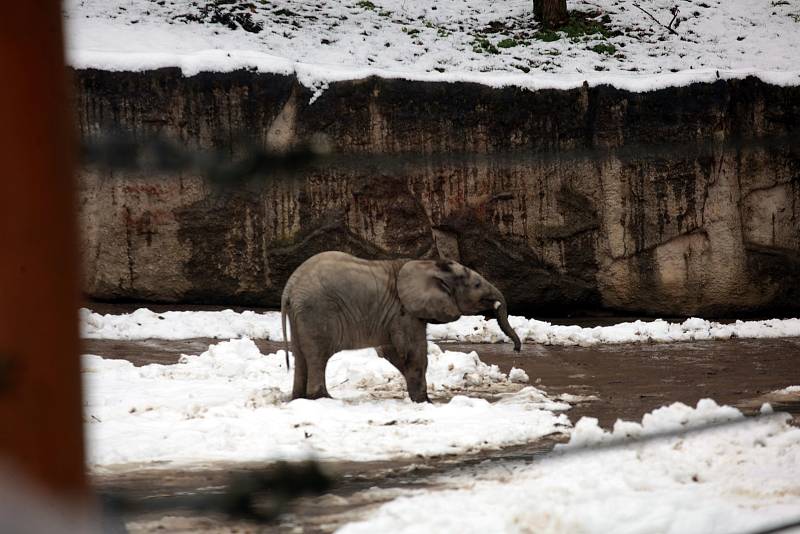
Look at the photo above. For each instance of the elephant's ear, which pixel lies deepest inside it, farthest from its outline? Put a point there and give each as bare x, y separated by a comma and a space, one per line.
426, 291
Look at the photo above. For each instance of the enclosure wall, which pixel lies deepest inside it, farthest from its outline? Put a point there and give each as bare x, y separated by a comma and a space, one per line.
679, 201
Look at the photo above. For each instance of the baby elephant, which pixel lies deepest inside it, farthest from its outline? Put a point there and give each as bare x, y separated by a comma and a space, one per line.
335, 301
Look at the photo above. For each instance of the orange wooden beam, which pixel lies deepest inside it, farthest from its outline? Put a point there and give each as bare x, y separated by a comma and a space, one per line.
40, 390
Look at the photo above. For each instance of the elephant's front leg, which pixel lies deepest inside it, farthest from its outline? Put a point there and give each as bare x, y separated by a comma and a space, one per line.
416, 366
388, 352
411, 353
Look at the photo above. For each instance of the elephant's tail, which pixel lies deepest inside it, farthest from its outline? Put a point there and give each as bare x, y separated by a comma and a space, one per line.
285, 338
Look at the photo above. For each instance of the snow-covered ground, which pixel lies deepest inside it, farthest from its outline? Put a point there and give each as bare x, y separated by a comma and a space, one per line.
231, 403
736, 479
145, 324
495, 43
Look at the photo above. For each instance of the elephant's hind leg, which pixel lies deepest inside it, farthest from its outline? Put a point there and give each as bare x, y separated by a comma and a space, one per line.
300, 376
316, 388
316, 359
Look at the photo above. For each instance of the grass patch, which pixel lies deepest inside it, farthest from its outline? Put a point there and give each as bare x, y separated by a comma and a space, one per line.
548, 36
580, 27
604, 48
507, 43
365, 4
484, 45
580, 24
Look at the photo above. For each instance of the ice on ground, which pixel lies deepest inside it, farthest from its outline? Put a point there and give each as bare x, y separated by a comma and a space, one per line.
145, 324
494, 43
231, 403
733, 479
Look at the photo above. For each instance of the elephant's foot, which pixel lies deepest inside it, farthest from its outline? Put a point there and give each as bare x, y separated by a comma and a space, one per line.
320, 393
420, 397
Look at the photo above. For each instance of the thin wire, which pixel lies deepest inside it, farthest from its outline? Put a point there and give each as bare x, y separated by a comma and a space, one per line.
646, 438
776, 528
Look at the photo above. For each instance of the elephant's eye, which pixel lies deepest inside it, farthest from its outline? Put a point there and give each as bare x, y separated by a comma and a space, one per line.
478, 283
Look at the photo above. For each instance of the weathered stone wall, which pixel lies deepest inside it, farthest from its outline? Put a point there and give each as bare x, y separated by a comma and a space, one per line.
678, 201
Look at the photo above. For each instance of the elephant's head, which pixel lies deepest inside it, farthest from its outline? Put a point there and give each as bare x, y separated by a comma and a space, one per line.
443, 291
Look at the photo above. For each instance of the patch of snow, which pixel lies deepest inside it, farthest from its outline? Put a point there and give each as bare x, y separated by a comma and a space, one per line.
493, 43
574, 399
475, 329
587, 431
518, 375
790, 389
733, 479
232, 403
145, 324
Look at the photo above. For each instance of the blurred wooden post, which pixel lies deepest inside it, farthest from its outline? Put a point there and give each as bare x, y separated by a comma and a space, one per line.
40, 395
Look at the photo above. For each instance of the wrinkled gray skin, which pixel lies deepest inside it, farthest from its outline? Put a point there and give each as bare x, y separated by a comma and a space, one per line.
335, 301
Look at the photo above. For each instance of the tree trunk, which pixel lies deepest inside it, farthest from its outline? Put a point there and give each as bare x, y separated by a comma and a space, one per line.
551, 13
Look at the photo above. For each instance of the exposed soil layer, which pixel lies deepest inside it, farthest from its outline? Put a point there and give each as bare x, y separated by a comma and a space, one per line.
627, 381
684, 200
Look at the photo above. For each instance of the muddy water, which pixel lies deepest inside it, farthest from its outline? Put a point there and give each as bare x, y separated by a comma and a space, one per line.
630, 380
624, 380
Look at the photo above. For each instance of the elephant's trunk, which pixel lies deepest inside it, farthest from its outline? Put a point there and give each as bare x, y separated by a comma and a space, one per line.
501, 313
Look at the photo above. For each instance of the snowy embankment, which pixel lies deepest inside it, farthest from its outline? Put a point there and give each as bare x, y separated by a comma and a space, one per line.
231, 404
145, 324
614, 42
736, 479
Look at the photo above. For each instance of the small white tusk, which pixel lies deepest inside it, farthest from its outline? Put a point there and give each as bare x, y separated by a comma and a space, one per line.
497, 304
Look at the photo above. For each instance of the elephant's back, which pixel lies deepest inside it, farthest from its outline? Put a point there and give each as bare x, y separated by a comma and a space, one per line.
340, 272
334, 259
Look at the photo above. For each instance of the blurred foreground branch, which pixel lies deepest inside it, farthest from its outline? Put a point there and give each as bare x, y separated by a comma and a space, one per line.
258, 496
